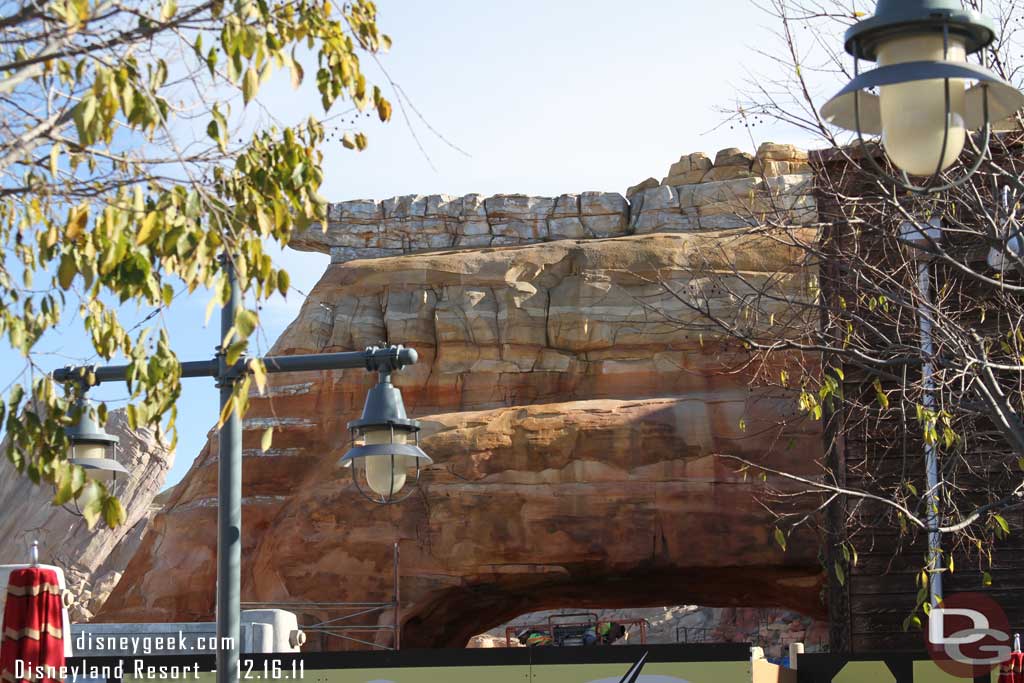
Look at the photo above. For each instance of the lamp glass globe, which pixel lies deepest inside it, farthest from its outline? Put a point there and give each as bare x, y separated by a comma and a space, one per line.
386, 475
914, 113
94, 451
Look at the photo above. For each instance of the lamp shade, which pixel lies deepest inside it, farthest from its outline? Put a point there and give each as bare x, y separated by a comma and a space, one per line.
385, 444
928, 95
901, 18
93, 448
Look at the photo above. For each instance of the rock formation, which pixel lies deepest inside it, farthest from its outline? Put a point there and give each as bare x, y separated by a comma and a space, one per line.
738, 190
93, 561
574, 402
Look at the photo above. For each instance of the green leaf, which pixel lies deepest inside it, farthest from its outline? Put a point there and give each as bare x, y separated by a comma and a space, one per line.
94, 507
840, 573
780, 538
250, 84
1001, 521
283, 282
883, 399
66, 271
65, 491
78, 479
235, 351
83, 114
113, 512
245, 323
267, 440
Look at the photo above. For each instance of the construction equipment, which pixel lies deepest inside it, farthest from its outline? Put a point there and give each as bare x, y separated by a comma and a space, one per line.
570, 630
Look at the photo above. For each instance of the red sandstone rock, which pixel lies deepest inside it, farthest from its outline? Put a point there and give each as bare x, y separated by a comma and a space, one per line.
574, 430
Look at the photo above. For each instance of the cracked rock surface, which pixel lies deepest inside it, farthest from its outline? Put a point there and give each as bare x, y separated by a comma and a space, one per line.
575, 404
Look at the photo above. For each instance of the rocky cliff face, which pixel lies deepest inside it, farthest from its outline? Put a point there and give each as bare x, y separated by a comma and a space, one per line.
93, 561
574, 404
738, 190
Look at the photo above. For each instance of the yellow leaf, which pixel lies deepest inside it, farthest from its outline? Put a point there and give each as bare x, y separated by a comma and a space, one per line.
267, 440
54, 157
225, 412
169, 9
78, 218
259, 374
147, 229
214, 301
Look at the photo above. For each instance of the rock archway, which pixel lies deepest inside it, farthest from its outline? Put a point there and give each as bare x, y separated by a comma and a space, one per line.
594, 504
576, 436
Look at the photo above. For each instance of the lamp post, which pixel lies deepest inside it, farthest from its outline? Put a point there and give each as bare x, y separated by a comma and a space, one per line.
924, 107
380, 458
923, 111
921, 234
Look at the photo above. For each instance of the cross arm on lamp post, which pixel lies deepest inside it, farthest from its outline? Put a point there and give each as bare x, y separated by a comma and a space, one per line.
374, 359
388, 442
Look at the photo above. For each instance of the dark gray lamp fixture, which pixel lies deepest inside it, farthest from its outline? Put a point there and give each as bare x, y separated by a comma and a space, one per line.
94, 450
385, 443
924, 108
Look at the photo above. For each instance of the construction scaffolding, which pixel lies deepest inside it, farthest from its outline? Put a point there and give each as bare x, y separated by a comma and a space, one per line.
347, 620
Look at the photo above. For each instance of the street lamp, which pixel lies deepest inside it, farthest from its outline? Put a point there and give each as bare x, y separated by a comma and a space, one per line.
92, 448
95, 451
385, 445
389, 446
924, 107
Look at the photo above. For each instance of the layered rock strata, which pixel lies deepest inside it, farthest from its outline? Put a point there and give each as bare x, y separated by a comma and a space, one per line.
576, 403
737, 190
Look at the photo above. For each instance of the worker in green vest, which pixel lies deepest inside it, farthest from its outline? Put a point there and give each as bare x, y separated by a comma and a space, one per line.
608, 632
531, 638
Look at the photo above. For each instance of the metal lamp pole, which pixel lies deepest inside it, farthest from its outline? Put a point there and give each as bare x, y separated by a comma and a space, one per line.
919, 234
229, 469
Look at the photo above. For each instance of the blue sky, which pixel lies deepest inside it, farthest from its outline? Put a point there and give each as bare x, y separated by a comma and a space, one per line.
543, 97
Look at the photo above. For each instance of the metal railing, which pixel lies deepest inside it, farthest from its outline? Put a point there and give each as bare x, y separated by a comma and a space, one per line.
340, 619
